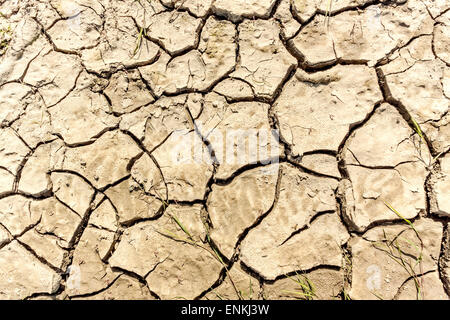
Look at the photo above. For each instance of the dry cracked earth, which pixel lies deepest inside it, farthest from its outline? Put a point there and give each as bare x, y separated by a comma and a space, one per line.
97, 96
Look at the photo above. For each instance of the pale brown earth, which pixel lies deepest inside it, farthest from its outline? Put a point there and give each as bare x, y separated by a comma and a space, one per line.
100, 99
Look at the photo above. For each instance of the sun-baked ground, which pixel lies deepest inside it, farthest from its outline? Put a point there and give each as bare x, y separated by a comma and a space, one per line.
100, 99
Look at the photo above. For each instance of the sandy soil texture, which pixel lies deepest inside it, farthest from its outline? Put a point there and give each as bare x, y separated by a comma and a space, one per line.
224, 149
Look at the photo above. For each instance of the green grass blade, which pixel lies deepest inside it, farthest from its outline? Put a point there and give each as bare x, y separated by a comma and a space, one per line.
178, 222
400, 215
417, 129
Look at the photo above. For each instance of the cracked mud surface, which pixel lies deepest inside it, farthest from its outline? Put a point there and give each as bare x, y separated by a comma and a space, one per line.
103, 103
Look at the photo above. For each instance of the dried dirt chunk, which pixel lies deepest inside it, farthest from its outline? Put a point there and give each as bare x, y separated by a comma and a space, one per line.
170, 115
198, 69
401, 188
13, 100
73, 191
54, 73
78, 33
236, 206
305, 9
315, 53
432, 288
140, 11
45, 13
5, 236
45, 158
384, 169
316, 110
237, 285
49, 247
199, 8
127, 92
156, 122
236, 10
322, 163
264, 61
16, 215
185, 166
104, 216
325, 237
22, 274
436, 7
105, 161
25, 46
167, 257
295, 219
441, 41
367, 36
234, 89
320, 284
81, 116
148, 175
88, 273
34, 125
240, 134
377, 263
124, 288
174, 31
120, 46
132, 203
442, 187
12, 151
421, 84
289, 26
6, 181
368, 146
56, 219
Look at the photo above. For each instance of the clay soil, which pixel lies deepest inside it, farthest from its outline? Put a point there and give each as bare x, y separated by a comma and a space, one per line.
335, 184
